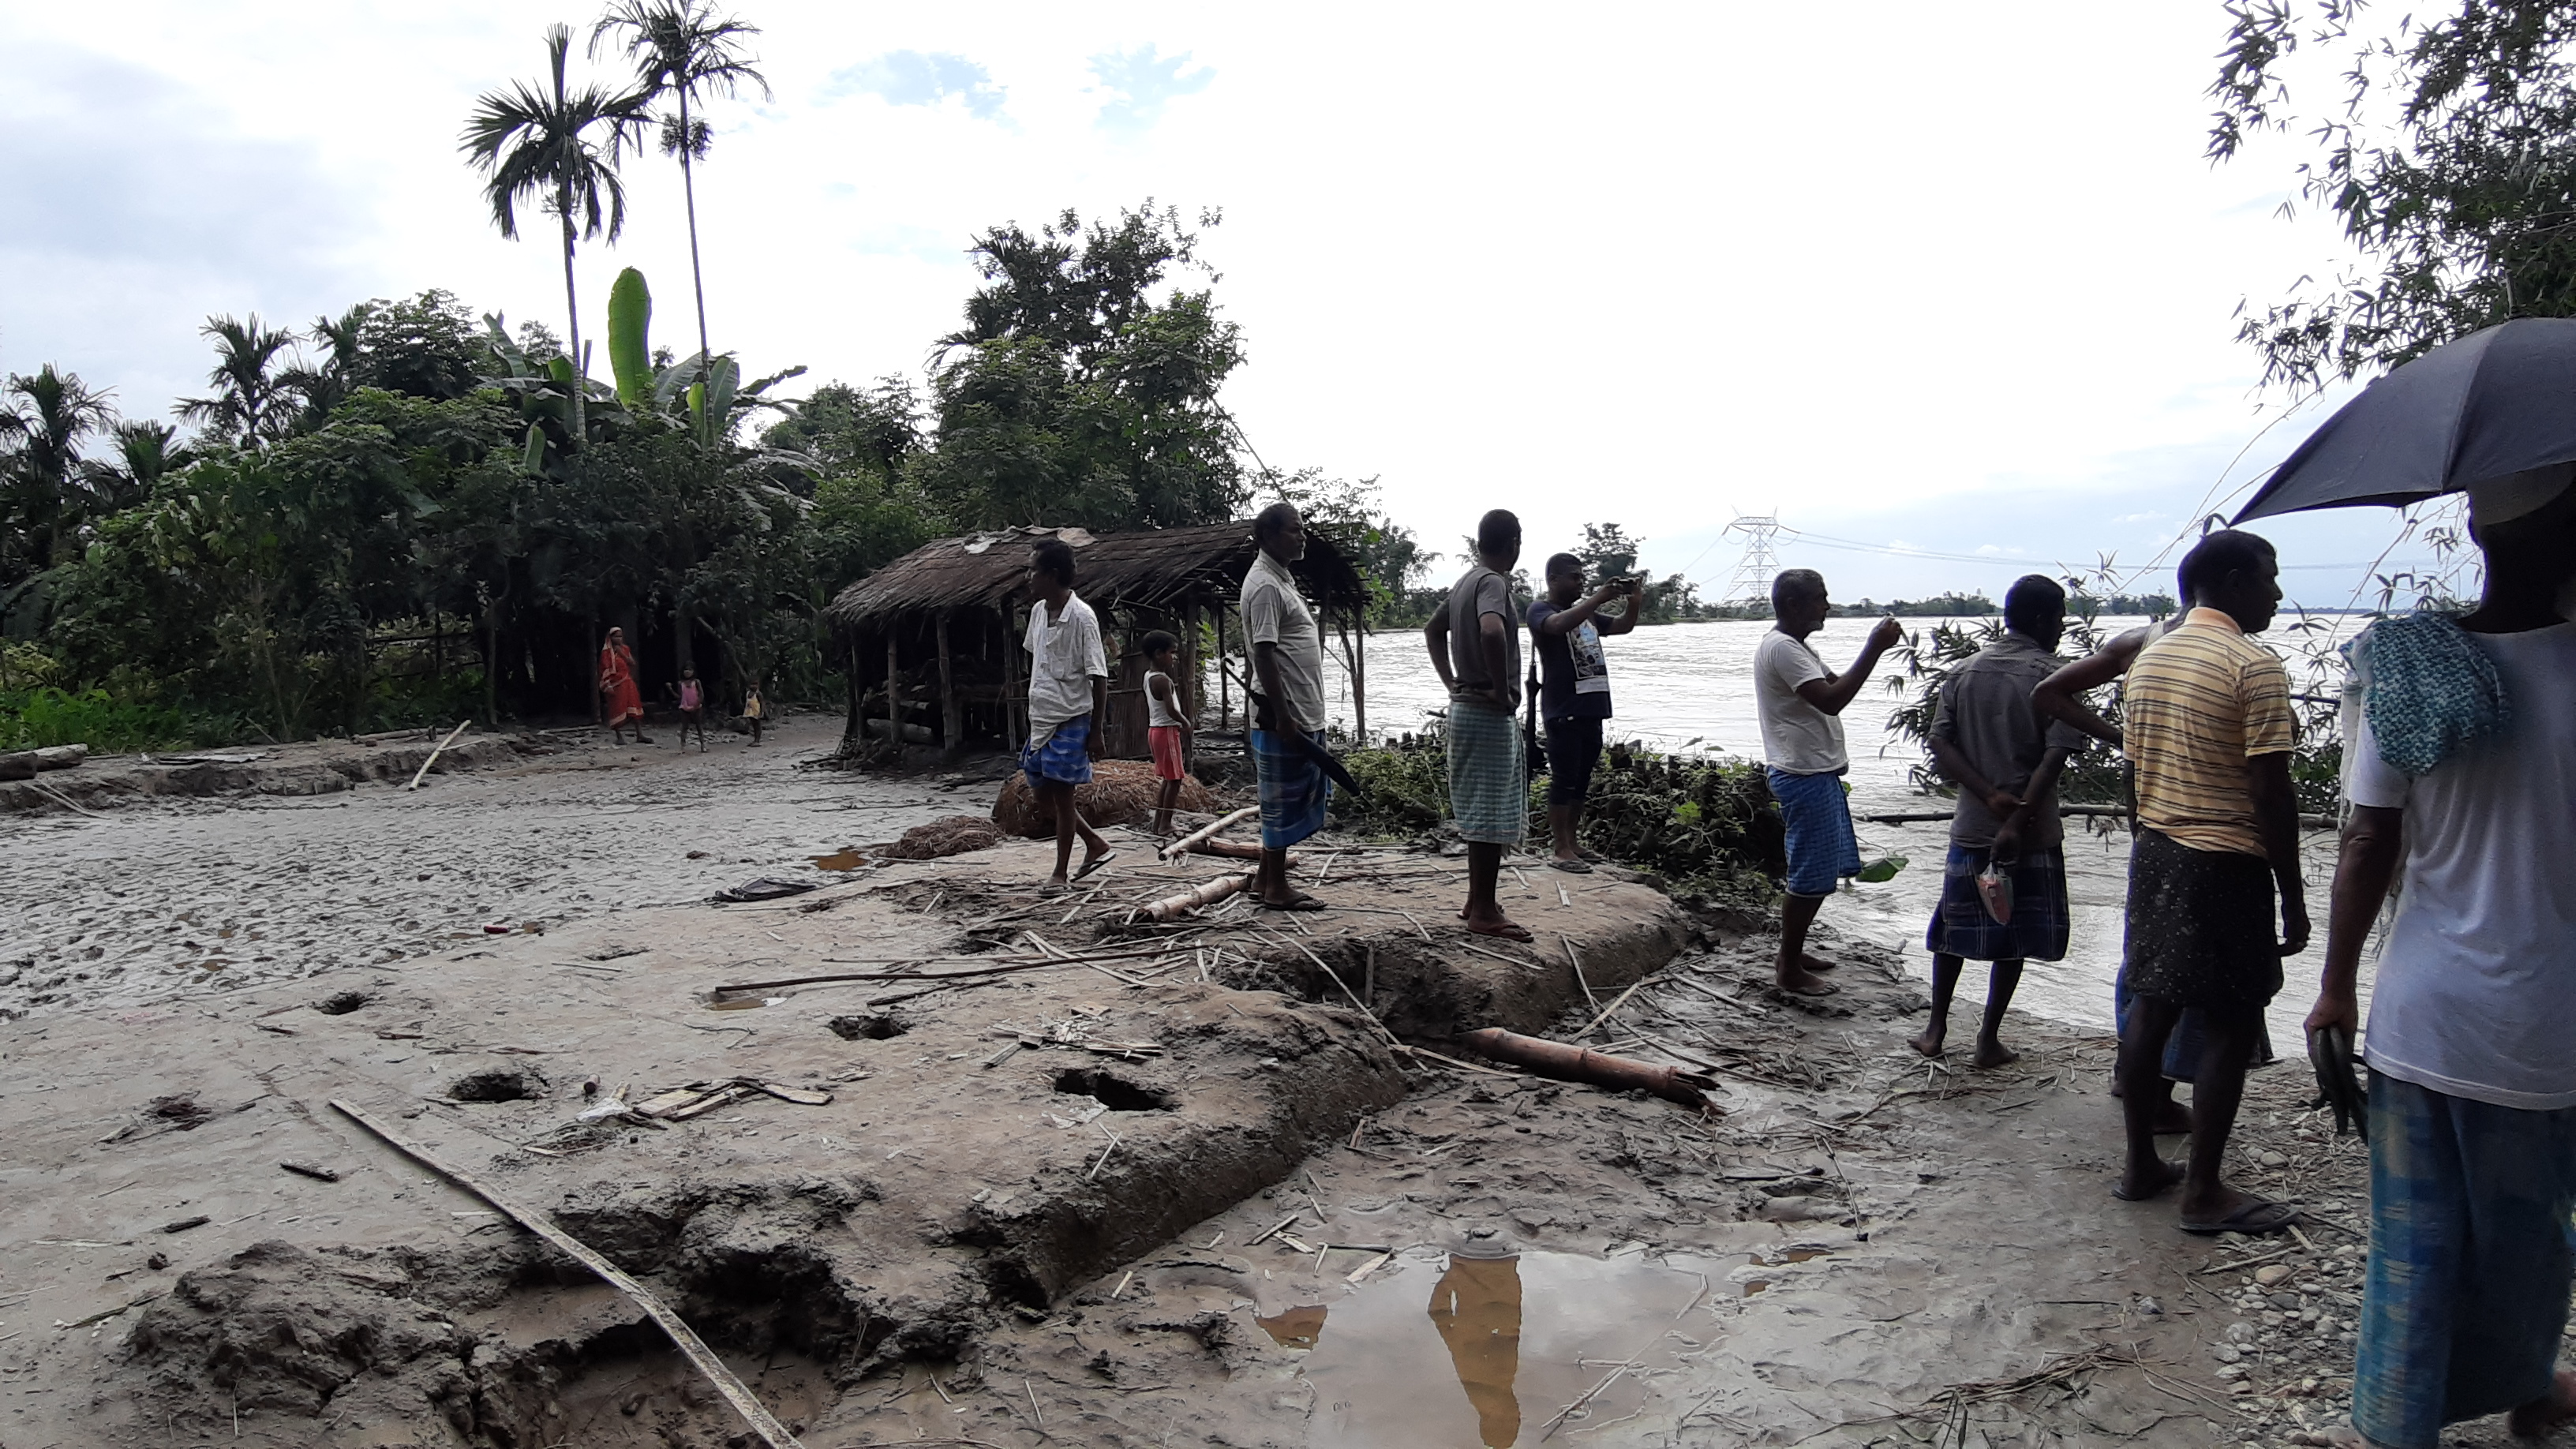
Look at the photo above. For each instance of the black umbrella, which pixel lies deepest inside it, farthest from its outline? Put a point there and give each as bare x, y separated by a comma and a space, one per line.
2492, 403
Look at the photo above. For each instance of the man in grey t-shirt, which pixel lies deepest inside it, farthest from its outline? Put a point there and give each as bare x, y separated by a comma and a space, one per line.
1288, 665
2004, 757
1475, 644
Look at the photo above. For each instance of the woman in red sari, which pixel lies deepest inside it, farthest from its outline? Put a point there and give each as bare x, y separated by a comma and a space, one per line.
617, 688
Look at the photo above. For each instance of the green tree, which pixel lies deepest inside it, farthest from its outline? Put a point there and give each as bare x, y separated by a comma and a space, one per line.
558, 147
2446, 148
46, 495
1081, 390
254, 398
682, 51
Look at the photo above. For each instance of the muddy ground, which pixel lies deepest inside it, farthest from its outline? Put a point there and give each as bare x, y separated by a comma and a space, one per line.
1187, 1193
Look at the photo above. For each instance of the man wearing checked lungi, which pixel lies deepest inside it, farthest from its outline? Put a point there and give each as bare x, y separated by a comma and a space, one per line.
1475, 644
2003, 890
2460, 760
1288, 666
2210, 730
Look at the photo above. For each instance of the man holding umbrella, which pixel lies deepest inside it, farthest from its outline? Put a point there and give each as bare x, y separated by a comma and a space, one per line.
2460, 759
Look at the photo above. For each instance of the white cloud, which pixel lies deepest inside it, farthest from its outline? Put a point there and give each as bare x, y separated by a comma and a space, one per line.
1141, 82
921, 78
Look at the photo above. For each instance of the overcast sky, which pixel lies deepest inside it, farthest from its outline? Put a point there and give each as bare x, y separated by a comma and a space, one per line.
1943, 278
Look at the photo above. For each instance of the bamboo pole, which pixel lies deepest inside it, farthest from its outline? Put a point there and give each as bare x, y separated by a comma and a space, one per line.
434, 754
1012, 703
1195, 838
1206, 894
683, 1336
894, 707
952, 729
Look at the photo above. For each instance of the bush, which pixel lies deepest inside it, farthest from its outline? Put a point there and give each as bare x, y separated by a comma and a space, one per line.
1707, 825
34, 718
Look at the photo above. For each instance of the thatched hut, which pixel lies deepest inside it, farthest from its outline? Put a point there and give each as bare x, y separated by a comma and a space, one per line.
931, 641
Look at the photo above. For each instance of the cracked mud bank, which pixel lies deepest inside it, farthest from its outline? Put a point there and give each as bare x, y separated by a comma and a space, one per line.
1186, 1193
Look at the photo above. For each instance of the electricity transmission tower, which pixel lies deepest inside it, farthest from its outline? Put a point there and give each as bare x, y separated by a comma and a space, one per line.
1751, 583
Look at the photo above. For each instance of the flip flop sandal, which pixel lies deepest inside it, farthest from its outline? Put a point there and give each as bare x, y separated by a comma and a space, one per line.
2258, 1215
1503, 933
2173, 1175
1573, 867
1055, 888
1299, 903
1820, 989
1095, 863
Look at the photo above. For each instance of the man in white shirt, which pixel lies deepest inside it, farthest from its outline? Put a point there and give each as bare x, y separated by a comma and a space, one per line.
1801, 702
2462, 771
1068, 693
1288, 665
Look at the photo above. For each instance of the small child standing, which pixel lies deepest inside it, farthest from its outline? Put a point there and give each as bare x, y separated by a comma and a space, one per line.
1167, 727
753, 712
693, 709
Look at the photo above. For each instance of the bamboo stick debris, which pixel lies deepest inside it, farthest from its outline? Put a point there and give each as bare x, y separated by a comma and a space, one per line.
1207, 893
1579, 1064
434, 754
1187, 843
686, 1338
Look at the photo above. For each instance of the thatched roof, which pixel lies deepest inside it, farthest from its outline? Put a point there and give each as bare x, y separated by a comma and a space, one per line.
1154, 568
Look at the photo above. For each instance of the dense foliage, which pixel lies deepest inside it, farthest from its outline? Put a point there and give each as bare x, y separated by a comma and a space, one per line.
2446, 148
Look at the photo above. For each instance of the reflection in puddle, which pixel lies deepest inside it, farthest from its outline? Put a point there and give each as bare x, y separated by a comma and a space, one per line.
1296, 1327
1476, 1305
1500, 1345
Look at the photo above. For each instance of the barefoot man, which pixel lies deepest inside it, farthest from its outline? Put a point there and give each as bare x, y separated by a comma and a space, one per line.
2005, 760
2210, 730
1068, 693
2461, 768
1801, 703
1475, 643
1288, 665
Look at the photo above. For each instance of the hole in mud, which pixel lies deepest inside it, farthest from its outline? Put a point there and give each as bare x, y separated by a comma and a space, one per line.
180, 1111
497, 1084
1477, 1350
869, 1026
341, 1003
1114, 1093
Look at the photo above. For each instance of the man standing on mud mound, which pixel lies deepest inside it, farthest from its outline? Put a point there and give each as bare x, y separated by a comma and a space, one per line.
1068, 694
1801, 702
1475, 644
2210, 730
1288, 664
1566, 628
2005, 837
2461, 766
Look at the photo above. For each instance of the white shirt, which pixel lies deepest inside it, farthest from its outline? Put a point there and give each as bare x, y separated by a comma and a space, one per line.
2477, 982
1275, 613
1064, 657
1797, 737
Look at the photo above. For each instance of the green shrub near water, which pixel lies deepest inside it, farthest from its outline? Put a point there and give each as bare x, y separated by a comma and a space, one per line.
1706, 824
34, 718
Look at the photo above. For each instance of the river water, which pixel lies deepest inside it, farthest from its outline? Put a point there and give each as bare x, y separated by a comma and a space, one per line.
1690, 686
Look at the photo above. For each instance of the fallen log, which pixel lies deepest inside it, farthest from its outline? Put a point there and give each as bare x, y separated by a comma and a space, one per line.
1577, 1064
61, 757
694, 1347
1191, 841
1206, 894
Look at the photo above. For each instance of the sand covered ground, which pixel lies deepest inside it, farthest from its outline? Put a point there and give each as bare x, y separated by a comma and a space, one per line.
1188, 1192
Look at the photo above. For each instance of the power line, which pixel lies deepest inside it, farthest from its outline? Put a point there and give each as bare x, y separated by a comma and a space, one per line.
1760, 561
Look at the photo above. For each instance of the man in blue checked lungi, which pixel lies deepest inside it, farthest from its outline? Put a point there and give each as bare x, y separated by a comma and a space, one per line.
1800, 703
1288, 710
2003, 889
2460, 764
1475, 643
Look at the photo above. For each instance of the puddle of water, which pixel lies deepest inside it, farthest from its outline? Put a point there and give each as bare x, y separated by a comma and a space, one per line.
1482, 1353
846, 858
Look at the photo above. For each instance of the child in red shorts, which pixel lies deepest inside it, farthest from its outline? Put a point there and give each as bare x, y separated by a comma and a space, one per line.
1167, 725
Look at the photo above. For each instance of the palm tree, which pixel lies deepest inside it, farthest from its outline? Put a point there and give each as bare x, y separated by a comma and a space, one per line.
328, 385
682, 50
559, 148
252, 402
145, 452
42, 423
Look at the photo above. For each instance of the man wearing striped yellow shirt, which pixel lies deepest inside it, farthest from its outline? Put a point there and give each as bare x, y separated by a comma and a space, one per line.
2210, 729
